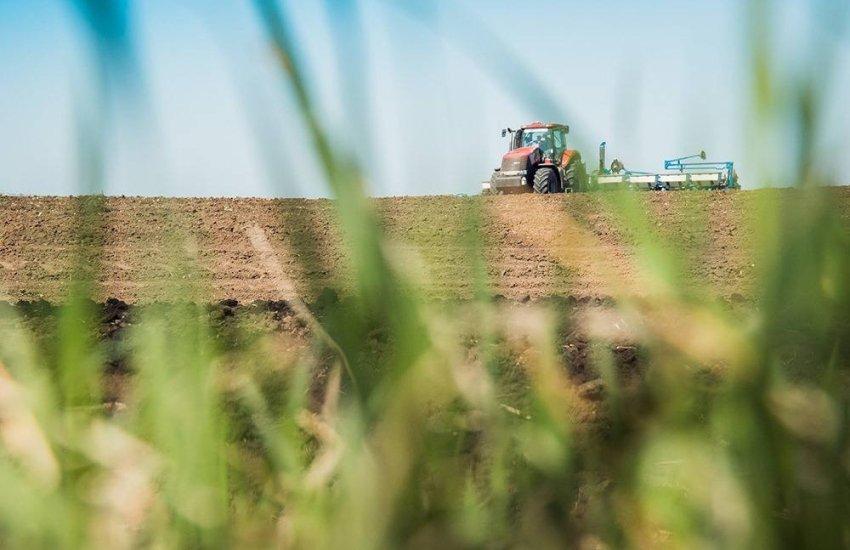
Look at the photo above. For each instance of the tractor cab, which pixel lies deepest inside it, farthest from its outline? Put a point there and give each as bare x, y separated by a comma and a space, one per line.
552, 140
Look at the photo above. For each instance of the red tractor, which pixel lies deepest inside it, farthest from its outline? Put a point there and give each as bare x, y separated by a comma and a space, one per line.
538, 160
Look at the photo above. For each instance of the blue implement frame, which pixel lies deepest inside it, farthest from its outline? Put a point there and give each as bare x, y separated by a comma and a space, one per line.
683, 165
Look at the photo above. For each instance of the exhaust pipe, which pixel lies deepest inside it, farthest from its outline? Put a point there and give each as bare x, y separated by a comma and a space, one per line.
602, 157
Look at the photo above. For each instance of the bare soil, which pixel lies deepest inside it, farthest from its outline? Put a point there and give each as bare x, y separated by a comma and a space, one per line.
529, 246
275, 330
574, 251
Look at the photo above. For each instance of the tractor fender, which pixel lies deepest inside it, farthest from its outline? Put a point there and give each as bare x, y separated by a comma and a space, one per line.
568, 157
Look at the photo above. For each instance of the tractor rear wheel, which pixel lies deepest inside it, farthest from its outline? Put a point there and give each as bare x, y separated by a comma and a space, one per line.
545, 181
575, 177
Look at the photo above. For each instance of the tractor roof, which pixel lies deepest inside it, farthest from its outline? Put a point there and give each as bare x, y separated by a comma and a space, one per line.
540, 125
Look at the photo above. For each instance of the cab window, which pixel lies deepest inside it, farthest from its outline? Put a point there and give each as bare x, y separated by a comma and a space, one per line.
534, 137
560, 140
517, 139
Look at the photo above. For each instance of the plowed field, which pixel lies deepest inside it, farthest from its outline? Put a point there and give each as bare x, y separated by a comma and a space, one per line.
532, 246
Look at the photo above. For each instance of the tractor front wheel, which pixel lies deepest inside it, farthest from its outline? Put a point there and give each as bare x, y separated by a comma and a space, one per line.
545, 181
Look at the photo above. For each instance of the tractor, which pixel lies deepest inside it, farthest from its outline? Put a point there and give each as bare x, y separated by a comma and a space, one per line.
538, 160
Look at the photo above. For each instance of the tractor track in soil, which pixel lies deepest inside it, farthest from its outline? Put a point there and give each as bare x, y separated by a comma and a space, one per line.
532, 246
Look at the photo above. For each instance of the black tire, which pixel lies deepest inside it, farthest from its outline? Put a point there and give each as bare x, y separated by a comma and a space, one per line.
575, 177
545, 181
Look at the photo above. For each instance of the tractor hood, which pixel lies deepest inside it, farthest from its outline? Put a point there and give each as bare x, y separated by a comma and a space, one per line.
521, 158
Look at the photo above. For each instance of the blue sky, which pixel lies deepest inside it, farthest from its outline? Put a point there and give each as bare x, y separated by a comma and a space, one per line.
419, 90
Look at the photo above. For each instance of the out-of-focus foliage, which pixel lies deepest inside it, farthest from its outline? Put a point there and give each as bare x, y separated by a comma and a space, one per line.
410, 423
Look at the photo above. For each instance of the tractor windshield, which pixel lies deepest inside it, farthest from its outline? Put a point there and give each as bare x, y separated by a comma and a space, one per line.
551, 141
535, 137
